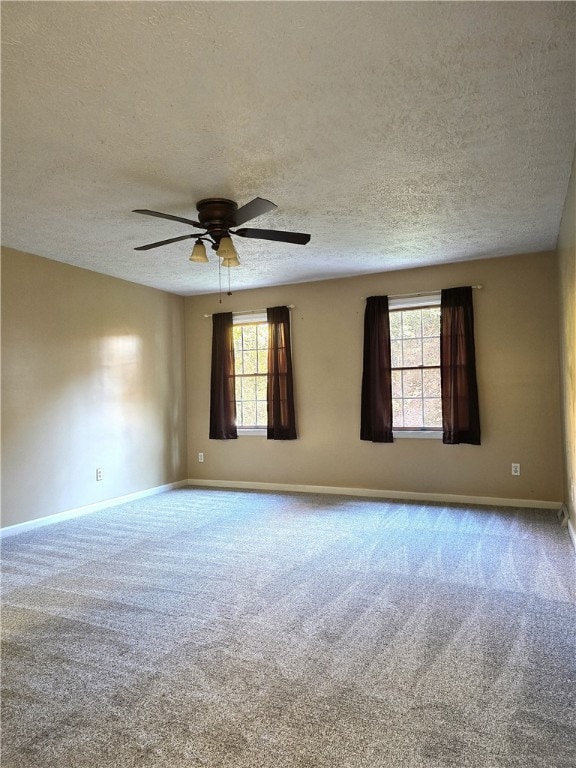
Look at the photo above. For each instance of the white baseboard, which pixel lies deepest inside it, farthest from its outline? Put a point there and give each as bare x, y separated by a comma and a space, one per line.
490, 501
572, 532
446, 498
11, 530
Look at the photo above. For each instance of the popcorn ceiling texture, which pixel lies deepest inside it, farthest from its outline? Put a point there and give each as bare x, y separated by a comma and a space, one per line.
397, 134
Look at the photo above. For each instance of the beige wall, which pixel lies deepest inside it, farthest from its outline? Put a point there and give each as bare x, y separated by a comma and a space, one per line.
92, 376
518, 371
567, 259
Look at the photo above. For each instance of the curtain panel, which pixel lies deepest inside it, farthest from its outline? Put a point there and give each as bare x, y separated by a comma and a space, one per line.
376, 405
281, 415
460, 412
222, 383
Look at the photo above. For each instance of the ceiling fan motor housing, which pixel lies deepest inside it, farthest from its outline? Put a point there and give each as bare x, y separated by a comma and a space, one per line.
216, 214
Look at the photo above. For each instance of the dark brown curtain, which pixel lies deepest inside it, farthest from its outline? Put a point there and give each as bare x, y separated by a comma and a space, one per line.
460, 414
281, 418
376, 409
222, 384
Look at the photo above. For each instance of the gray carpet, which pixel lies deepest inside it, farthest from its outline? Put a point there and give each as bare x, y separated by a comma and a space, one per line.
230, 629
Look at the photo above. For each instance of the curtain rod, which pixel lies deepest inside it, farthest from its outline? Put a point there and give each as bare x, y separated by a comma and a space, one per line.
414, 295
254, 311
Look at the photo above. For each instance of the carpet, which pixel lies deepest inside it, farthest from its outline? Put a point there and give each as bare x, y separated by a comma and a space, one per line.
244, 629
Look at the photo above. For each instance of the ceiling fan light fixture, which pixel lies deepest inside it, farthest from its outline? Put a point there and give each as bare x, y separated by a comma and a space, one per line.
199, 253
231, 261
228, 253
226, 248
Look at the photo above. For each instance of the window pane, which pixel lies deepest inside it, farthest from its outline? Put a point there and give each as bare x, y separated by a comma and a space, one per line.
249, 336
262, 335
431, 382
433, 412
411, 323
431, 351
413, 414
397, 413
395, 325
237, 335
249, 412
262, 414
249, 388
396, 383
415, 342
412, 383
396, 353
431, 321
262, 361
249, 359
412, 352
262, 388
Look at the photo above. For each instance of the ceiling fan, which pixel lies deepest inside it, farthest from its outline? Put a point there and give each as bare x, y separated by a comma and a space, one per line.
217, 216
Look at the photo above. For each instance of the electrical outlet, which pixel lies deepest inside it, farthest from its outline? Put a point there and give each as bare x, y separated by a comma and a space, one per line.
516, 469
99, 474
200, 457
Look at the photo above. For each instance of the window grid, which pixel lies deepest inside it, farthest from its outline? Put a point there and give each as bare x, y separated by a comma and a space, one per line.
251, 364
415, 343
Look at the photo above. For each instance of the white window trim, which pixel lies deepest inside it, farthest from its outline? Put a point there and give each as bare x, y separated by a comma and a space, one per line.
252, 431
421, 434
415, 302
245, 318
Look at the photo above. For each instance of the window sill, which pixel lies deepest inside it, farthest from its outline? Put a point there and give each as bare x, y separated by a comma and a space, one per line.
416, 433
256, 432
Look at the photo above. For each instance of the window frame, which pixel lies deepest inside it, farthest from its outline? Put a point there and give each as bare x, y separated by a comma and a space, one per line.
418, 301
257, 317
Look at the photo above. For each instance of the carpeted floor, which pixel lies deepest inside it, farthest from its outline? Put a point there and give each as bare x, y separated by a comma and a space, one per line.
231, 629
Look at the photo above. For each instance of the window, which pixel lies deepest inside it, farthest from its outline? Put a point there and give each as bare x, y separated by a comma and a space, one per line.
415, 360
419, 368
251, 387
250, 334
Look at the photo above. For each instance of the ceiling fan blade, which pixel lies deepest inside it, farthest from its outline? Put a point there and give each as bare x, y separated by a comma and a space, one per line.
164, 242
254, 208
274, 234
168, 216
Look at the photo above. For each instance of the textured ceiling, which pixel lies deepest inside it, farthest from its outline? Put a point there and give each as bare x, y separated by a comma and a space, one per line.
397, 134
